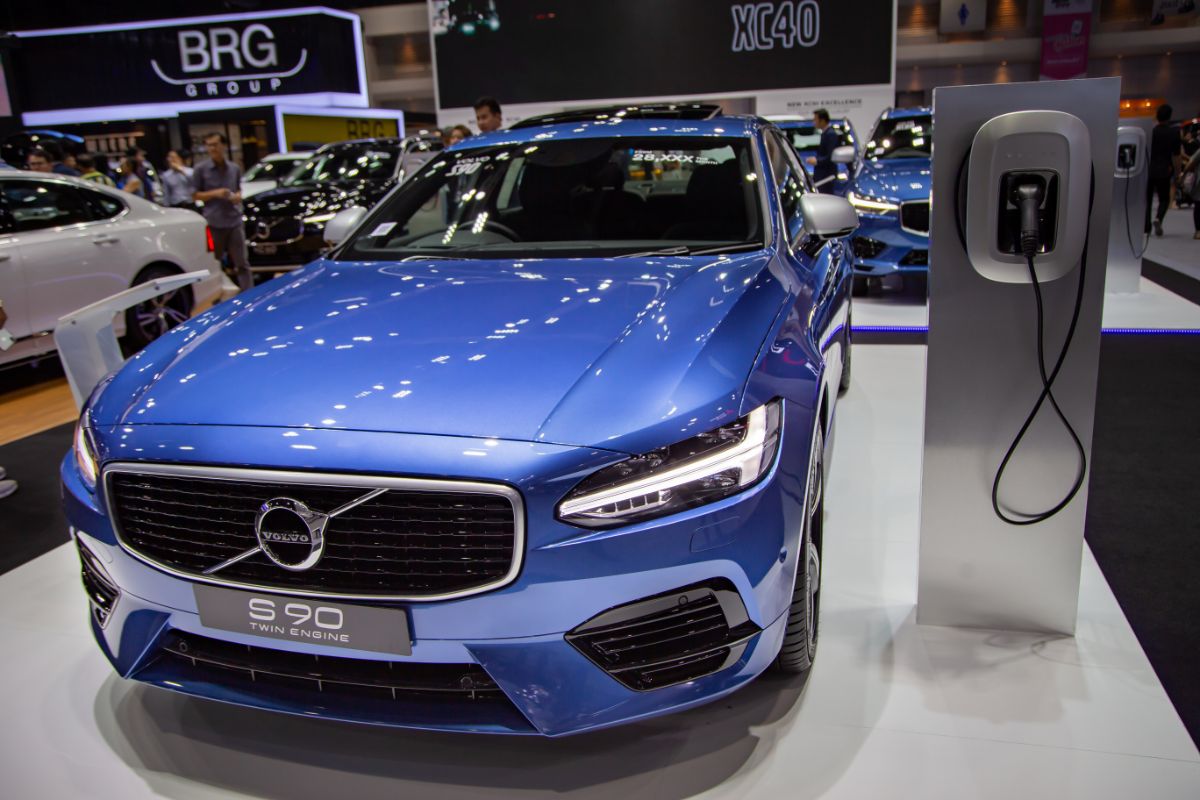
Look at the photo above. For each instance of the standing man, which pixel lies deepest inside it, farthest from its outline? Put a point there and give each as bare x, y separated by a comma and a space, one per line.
824, 170
38, 160
177, 182
487, 115
87, 163
1165, 149
217, 184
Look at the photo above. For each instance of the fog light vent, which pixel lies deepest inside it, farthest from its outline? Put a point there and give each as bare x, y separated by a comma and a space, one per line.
670, 638
102, 592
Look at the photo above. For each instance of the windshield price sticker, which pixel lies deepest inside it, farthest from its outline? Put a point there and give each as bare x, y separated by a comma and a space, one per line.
674, 158
905, 125
468, 166
382, 229
308, 620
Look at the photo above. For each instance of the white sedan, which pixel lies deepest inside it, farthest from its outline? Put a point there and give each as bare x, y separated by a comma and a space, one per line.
267, 174
66, 243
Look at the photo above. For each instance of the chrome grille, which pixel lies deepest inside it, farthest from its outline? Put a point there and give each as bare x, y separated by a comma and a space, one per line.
417, 540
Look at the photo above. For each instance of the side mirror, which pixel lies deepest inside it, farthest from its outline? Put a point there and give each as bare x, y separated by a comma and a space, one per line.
828, 216
843, 155
342, 223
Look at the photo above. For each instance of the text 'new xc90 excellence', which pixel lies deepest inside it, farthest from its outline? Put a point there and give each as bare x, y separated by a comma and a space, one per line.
538, 448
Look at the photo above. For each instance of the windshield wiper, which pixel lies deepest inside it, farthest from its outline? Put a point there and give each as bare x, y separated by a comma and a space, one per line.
684, 250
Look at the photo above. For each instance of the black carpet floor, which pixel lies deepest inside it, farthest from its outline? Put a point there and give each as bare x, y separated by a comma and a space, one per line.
1142, 524
31, 521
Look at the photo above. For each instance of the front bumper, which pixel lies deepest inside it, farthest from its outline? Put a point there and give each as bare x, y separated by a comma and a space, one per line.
517, 634
882, 247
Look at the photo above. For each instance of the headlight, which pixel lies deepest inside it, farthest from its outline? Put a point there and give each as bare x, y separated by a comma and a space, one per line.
85, 453
318, 219
870, 204
690, 473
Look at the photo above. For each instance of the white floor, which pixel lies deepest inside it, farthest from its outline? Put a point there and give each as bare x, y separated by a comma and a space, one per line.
892, 709
1177, 248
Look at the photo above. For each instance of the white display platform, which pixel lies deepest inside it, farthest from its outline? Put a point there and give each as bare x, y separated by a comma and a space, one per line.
1177, 248
1152, 308
891, 710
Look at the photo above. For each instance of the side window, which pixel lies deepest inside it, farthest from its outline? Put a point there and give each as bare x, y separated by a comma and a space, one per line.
103, 206
789, 180
35, 205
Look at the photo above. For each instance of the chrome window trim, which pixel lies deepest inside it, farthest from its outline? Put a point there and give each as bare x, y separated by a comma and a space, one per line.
366, 482
900, 214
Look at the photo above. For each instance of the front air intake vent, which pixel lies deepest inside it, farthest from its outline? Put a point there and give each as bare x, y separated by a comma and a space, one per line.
670, 638
102, 592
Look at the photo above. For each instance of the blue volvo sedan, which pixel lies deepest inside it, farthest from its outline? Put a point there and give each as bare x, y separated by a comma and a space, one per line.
891, 190
538, 448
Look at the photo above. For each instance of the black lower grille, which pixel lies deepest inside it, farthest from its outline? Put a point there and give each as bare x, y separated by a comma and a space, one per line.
915, 216
915, 258
274, 230
101, 591
866, 247
402, 543
382, 679
670, 638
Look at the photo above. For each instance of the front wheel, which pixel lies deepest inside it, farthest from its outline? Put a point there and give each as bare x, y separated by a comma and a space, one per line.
147, 321
800, 639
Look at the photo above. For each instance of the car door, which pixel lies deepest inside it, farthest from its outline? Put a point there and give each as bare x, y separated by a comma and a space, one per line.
12, 279
825, 262
68, 258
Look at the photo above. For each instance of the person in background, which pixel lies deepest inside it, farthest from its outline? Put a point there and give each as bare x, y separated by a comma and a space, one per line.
217, 183
1165, 149
487, 115
1193, 168
458, 133
87, 166
824, 170
151, 188
56, 160
177, 182
7, 485
38, 160
128, 180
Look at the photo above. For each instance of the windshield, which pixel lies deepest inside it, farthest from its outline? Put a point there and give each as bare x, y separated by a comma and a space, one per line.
806, 137
274, 170
346, 165
575, 197
908, 137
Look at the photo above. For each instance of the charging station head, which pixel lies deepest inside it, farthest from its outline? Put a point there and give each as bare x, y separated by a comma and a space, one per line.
1131, 152
1049, 148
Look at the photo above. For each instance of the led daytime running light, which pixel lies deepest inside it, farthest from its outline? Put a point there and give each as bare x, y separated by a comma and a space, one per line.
745, 456
871, 204
85, 455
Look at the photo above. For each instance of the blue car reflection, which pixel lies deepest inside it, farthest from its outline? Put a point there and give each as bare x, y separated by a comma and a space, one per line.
891, 190
539, 448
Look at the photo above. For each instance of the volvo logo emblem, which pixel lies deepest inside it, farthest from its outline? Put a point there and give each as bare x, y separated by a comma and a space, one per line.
290, 533
262, 231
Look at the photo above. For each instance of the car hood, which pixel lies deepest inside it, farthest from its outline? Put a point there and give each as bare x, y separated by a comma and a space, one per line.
895, 179
308, 199
588, 352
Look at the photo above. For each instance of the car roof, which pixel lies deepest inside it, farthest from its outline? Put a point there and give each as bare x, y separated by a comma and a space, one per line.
732, 126
690, 111
914, 111
288, 155
790, 121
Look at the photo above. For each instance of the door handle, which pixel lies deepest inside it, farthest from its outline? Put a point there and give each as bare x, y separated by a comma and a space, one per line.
105, 240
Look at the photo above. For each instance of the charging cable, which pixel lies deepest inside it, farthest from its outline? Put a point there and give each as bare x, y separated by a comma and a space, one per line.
1028, 197
1128, 232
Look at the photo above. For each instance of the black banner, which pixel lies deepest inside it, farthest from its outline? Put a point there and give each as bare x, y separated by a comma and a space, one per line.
530, 51
219, 59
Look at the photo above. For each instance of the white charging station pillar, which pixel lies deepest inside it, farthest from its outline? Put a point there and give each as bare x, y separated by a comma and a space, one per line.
982, 378
1126, 237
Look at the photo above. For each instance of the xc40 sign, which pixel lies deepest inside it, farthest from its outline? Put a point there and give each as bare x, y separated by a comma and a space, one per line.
762, 26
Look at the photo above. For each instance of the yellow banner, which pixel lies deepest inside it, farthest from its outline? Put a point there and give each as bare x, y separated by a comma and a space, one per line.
306, 128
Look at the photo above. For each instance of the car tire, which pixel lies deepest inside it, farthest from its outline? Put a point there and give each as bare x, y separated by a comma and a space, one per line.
800, 637
147, 321
861, 286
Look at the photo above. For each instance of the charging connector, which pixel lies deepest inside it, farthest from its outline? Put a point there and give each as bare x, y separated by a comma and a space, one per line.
1028, 197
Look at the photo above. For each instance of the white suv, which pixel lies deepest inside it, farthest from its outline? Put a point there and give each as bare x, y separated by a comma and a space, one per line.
65, 243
